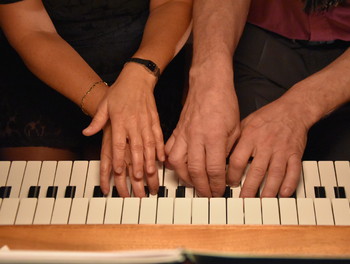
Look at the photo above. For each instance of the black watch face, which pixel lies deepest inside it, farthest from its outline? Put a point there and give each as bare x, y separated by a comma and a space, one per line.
151, 66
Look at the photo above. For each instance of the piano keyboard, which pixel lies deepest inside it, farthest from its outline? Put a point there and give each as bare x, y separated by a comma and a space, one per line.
67, 192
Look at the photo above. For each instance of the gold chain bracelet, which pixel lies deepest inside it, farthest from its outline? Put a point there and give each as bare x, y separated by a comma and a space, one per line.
86, 94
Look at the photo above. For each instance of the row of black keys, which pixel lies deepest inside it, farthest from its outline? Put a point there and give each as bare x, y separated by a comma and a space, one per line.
5, 191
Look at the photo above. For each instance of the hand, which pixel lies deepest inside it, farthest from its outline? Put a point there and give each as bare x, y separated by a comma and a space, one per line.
205, 133
130, 106
275, 136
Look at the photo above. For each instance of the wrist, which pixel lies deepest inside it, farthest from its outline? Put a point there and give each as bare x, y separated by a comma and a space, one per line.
92, 97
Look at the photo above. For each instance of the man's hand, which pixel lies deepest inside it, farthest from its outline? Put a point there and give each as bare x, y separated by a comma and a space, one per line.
203, 138
275, 136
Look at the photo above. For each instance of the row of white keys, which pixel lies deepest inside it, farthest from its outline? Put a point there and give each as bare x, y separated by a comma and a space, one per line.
47, 176
31, 177
342, 169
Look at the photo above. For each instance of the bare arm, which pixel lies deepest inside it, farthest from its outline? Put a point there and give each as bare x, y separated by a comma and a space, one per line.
209, 123
31, 32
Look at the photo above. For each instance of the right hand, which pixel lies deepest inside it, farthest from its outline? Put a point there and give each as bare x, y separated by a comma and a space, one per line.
208, 127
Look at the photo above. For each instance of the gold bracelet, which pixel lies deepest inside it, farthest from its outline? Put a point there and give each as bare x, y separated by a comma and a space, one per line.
86, 94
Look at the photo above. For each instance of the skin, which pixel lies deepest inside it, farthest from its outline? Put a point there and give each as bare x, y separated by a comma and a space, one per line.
126, 111
275, 135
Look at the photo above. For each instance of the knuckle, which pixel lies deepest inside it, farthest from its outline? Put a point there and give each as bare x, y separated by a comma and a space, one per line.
194, 169
258, 172
237, 163
119, 146
136, 147
276, 171
150, 143
174, 161
215, 171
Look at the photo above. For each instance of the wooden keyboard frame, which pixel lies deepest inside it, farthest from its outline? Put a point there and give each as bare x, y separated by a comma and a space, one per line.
309, 241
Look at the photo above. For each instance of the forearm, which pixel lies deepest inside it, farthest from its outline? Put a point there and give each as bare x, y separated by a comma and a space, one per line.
217, 28
57, 64
166, 31
318, 95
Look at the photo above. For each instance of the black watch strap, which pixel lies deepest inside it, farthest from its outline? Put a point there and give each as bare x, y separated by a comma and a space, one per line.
148, 64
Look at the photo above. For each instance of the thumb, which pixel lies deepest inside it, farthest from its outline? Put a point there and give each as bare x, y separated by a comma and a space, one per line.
98, 122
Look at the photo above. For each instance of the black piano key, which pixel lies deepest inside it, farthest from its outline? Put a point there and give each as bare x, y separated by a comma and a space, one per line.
97, 191
320, 192
34, 192
181, 191
5, 191
51, 192
228, 192
339, 192
146, 191
70, 192
115, 192
162, 191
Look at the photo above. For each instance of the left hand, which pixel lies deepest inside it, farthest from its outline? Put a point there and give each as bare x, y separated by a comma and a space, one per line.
130, 107
275, 136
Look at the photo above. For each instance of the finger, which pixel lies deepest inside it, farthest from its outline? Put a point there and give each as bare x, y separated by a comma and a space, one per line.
98, 122
275, 175
106, 162
119, 146
255, 176
137, 153
158, 137
177, 160
168, 147
120, 184
149, 151
138, 188
238, 163
215, 166
197, 168
153, 182
292, 178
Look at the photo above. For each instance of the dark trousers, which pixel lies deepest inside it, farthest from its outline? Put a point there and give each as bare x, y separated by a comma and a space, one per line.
267, 65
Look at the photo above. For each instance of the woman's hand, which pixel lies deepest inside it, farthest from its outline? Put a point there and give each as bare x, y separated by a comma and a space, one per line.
134, 137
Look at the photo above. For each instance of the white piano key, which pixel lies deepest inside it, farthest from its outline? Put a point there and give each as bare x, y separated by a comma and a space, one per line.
15, 177
114, 208
306, 211
327, 177
26, 211
342, 169
217, 211
78, 211
43, 211
131, 210
8, 211
323, 211
252, 211
0, 202
93, 178
4, 170
235, 212
78, 177
300, 191
270, 211
182, 211
341, 211
47, 176
165, 210
311, 178
171, 181
288, 211
60, 214
30, 178
62, 177
200, 211
236, 191
148, 210
96, 211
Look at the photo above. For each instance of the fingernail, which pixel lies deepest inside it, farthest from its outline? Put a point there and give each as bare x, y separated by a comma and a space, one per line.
287, 191
162, 158
151, 169
119, 170
139, 175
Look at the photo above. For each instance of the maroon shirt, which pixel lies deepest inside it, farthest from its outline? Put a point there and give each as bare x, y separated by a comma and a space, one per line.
287, 18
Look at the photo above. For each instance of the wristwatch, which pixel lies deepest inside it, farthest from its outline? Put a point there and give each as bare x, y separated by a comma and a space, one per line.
148, 64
